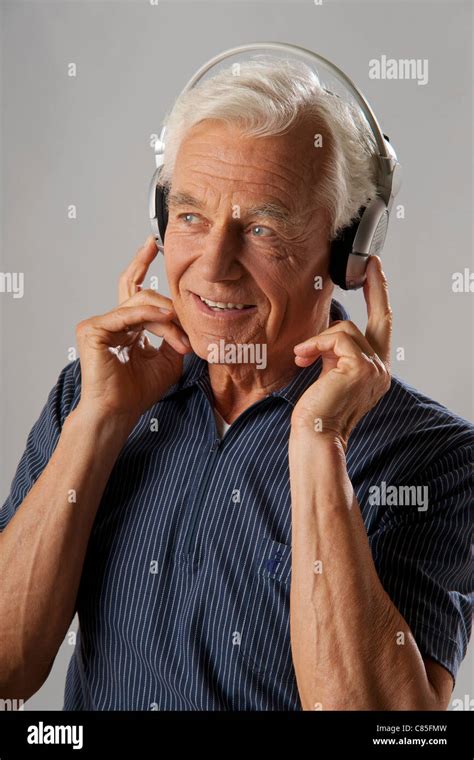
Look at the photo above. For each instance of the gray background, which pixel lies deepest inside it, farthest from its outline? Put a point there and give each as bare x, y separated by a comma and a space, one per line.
86, 141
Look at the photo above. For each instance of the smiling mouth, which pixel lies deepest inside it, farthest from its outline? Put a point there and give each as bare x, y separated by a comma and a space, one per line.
224, 306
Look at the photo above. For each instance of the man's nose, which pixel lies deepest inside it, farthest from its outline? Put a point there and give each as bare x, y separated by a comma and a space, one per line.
220, 254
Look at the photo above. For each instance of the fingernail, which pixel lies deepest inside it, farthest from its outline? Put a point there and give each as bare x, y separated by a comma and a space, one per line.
165, 311
185, 341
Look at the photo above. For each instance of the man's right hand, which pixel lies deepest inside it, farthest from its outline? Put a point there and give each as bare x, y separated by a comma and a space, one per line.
126, 385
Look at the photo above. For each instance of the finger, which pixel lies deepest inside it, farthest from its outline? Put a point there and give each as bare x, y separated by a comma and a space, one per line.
379, 312
154, 298
337, 343
171, 333
332, 346
150, 296
345, 326
121, 326
148, 351
133, 276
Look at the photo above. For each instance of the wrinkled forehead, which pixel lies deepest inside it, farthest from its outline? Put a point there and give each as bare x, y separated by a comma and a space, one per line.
224, 155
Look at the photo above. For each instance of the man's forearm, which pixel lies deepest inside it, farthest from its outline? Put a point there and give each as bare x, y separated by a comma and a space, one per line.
347, 649
43, 547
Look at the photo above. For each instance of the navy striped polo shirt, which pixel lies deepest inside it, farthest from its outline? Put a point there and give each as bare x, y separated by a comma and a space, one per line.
183, 602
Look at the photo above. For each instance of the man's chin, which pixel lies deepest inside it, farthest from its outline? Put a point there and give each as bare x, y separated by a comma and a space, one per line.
203, 346
230, 351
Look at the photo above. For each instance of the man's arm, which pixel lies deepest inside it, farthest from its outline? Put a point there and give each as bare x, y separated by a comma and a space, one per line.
43, 547
347, 647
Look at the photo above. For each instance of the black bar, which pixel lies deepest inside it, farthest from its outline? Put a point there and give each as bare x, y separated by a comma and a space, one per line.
315, 734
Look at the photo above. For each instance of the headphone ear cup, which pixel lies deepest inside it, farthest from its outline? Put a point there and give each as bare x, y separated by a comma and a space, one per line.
161, 195
341, 247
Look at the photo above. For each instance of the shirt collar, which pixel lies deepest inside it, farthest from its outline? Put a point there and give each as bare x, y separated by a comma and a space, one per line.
195, 371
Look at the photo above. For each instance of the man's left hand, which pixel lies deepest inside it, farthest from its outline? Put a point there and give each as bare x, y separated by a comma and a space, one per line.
356, 367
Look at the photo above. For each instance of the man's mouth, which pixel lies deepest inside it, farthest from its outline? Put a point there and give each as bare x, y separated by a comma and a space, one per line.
224, 306
222, 309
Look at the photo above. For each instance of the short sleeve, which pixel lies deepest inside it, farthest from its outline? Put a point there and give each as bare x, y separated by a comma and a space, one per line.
42, 439
423, 558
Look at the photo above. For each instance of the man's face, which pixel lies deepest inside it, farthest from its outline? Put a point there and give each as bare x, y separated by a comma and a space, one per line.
243, 229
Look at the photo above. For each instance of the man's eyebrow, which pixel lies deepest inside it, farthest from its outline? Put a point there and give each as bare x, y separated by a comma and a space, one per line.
272, 211
184, 199
267, 209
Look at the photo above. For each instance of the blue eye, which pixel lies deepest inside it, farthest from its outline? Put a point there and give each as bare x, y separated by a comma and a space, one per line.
261, 229
185, 216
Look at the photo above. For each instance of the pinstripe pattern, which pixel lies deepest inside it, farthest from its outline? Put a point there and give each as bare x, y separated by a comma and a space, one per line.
207, 626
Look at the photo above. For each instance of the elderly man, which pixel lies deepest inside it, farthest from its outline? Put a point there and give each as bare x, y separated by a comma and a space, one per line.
223, 529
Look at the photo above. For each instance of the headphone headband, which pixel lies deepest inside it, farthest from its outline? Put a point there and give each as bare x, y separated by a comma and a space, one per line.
386, 156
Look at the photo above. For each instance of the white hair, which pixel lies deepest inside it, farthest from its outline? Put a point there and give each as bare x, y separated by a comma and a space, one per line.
266, 96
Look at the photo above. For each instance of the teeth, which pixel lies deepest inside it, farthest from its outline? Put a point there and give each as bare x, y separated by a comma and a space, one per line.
221, 305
